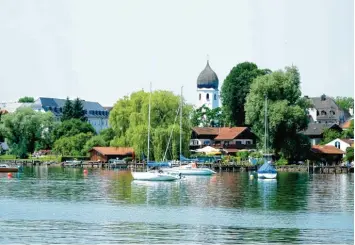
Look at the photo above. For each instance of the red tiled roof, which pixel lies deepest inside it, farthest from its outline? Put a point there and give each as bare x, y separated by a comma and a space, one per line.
327, 149
229, 133
206, 130
113, 150
346, 125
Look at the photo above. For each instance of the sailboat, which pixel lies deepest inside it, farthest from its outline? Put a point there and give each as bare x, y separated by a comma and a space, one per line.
191, 168
266, 171
155, 175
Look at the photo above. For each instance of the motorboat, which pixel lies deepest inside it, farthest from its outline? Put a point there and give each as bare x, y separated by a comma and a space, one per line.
191, 169
155, 176
4, 168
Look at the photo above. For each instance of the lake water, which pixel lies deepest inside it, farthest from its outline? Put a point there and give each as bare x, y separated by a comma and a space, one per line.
54, 205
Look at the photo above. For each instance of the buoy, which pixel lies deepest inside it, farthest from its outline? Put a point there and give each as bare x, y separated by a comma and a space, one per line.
9, 175
251, 176
85, 171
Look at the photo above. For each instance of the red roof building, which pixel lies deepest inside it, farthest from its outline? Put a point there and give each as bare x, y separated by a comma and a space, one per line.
104, 154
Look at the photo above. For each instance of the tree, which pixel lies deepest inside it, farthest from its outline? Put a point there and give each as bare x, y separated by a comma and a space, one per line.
235, 88
205, 117
329, 135
26, 100
349, 133
94, 141
67, 110
287, 110
72, 127
71, 145
107, 135
129, 121
78, 110
25, 128
344, 103
350, 154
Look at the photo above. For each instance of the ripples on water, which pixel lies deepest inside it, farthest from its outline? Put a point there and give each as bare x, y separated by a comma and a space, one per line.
43, 205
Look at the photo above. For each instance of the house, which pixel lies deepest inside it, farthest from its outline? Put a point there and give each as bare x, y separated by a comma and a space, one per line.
231, 139
325, 110
11, 107
315, 131
96, 114
342, 144
104, 154
327, 154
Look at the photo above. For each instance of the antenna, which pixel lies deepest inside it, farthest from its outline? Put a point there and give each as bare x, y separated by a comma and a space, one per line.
180, 125
150, 97
208, 58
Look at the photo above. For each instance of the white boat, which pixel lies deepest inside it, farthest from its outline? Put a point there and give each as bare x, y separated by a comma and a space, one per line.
153, 175
267, 175
191, 169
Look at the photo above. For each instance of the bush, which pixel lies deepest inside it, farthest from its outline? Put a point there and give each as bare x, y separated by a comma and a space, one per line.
281, 161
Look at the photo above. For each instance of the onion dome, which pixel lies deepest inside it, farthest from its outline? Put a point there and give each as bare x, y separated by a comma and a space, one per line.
207, 78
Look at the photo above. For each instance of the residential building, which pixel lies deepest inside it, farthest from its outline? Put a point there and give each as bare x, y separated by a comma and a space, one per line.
325, 110
327, 154
207, 88
96, 115
315, 131
230, 139
342, 144
10, 107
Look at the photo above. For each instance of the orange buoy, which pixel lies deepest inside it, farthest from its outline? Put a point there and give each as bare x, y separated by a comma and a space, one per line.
9, 175
85, 171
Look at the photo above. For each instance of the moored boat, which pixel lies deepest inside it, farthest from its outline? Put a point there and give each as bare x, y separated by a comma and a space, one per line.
191, 169
154, 176
4, 168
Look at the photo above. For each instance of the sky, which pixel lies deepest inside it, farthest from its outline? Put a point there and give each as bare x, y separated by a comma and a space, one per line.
104, 50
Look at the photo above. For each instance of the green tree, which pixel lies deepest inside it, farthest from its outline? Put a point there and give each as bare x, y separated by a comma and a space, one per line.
345, 103
71, 127
67, 110
329, 135
287, 110
25, 128
94, 141
129, 121
78, 110
107, 135
205, 117
235, 88
26, 99
349, 133
350, 154
71, 145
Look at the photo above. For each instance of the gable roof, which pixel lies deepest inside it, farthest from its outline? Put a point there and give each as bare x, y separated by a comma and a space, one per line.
230, 133
326, 149
113, 150
206, 130
318, 128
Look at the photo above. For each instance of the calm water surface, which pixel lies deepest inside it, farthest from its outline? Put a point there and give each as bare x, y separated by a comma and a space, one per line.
55, 205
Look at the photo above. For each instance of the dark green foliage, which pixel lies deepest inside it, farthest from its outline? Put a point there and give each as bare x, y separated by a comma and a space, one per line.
350, 154
206, 117
235, 88
94, 141
67, 110
78, 110
329, 135
107, 135
71, 145
287, 111
26, 100
72, 127
349, 133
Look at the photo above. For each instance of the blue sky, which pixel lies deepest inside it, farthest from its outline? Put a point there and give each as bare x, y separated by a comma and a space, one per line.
103, 50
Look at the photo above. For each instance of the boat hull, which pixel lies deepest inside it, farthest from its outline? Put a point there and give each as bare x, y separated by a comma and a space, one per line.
267, 175
8, 170
149, 176
193, 171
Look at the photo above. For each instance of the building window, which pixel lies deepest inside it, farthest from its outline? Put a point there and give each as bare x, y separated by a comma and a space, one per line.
207, 96
323, 113
215, 96
199, 97
337, 144
317, 113
332, 113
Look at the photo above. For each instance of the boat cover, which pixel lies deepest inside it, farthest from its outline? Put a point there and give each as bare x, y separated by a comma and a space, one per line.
267, 168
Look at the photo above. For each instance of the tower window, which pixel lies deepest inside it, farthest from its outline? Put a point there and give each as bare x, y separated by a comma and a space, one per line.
323, 113
199, 96
215, 96
207, 96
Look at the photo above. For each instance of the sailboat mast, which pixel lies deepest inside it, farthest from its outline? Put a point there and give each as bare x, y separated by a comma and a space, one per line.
150, 98
266, 127
180, 125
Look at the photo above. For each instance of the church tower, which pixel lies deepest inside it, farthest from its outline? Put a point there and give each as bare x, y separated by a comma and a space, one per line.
207, 88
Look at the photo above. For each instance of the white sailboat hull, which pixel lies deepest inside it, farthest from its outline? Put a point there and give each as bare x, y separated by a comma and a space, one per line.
192, 171
267, 175
154, 176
